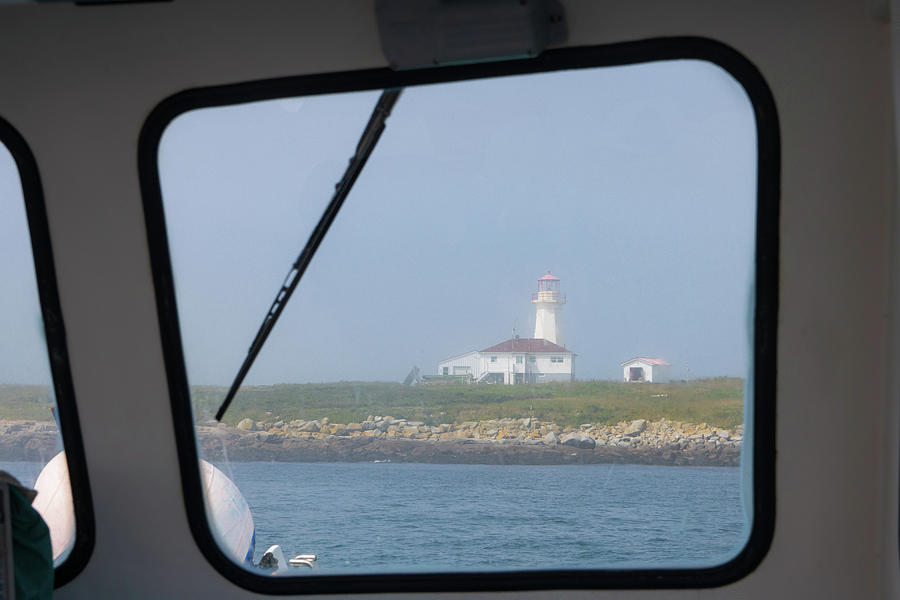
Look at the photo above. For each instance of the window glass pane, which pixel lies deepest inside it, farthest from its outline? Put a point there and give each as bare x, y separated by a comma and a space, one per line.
30, 443
599, 221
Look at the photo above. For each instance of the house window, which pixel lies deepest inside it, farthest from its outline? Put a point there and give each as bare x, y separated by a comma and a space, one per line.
556, 359
532, 358
519, 359
445, 371
493, 359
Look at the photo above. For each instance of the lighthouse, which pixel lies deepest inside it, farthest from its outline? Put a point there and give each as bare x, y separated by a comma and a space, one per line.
548, 302
541, 359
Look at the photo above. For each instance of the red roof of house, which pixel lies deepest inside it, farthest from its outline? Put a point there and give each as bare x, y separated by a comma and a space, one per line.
650, 361
548, 276
527, 345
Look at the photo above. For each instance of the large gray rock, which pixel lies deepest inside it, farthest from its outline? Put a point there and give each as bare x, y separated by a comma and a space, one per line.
636, 428
550, 439
578, 440
311, 426
245, 425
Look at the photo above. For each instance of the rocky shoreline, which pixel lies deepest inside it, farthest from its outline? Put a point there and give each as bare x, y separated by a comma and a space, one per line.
28, 440
502, 441
383, 438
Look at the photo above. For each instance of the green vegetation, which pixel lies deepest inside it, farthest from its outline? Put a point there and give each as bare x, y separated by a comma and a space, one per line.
26, 403
718, 402
714, 401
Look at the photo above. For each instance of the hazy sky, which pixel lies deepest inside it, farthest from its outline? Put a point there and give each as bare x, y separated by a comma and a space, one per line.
23, 352
635, 185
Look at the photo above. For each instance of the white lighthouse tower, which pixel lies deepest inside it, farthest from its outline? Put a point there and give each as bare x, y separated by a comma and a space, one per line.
548, 301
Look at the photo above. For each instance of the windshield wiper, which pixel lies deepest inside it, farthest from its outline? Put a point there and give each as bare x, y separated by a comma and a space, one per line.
364, 148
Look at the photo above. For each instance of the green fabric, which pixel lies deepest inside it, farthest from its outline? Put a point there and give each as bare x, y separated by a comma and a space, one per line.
32, 554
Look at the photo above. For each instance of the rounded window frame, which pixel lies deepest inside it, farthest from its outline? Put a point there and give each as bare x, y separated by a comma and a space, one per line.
57, 353
765, 315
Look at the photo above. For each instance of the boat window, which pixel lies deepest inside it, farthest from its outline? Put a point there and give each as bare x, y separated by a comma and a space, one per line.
618, 205
31, 446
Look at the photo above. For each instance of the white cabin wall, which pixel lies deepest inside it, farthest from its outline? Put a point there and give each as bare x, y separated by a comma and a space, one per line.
827, 62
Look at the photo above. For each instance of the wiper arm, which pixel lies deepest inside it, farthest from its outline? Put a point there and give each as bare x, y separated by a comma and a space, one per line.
364, 148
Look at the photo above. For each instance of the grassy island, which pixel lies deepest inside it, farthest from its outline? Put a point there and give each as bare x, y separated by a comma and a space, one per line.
717, 401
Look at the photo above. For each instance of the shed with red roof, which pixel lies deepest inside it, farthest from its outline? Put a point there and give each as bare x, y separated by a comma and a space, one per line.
642, 369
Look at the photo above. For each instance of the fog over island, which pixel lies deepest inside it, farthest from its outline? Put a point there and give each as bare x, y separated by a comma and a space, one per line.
635, 185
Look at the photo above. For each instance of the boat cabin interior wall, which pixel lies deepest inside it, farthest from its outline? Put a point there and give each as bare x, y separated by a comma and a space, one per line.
78, 85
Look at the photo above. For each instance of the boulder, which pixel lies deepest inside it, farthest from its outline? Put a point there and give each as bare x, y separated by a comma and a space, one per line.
551, 439
311, 426
636, 428
245, 425
578, 440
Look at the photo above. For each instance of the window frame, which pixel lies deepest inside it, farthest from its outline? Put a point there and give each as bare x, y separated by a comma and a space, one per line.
765, 316
57, 353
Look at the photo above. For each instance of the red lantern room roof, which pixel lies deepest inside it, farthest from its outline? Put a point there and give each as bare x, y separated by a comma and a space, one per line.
548, 277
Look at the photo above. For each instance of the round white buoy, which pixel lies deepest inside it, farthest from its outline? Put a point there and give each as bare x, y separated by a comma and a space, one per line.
228, 513
54, 503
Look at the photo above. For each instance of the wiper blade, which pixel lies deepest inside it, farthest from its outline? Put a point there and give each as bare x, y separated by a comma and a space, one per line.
364, 148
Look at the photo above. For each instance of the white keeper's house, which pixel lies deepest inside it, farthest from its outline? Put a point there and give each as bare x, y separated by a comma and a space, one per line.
641, 369
540, 359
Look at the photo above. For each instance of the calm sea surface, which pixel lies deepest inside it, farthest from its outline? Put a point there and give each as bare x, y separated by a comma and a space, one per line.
394, 517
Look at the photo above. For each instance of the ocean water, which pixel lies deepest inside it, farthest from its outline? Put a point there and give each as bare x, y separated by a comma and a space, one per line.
398, 517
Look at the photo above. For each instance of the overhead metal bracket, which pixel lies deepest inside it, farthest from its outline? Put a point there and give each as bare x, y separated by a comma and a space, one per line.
425, 33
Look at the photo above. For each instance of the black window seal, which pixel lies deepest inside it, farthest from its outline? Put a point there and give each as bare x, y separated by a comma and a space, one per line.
765, 312
57, 354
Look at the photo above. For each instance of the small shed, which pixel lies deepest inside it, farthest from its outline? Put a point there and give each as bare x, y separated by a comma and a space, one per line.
641, 369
